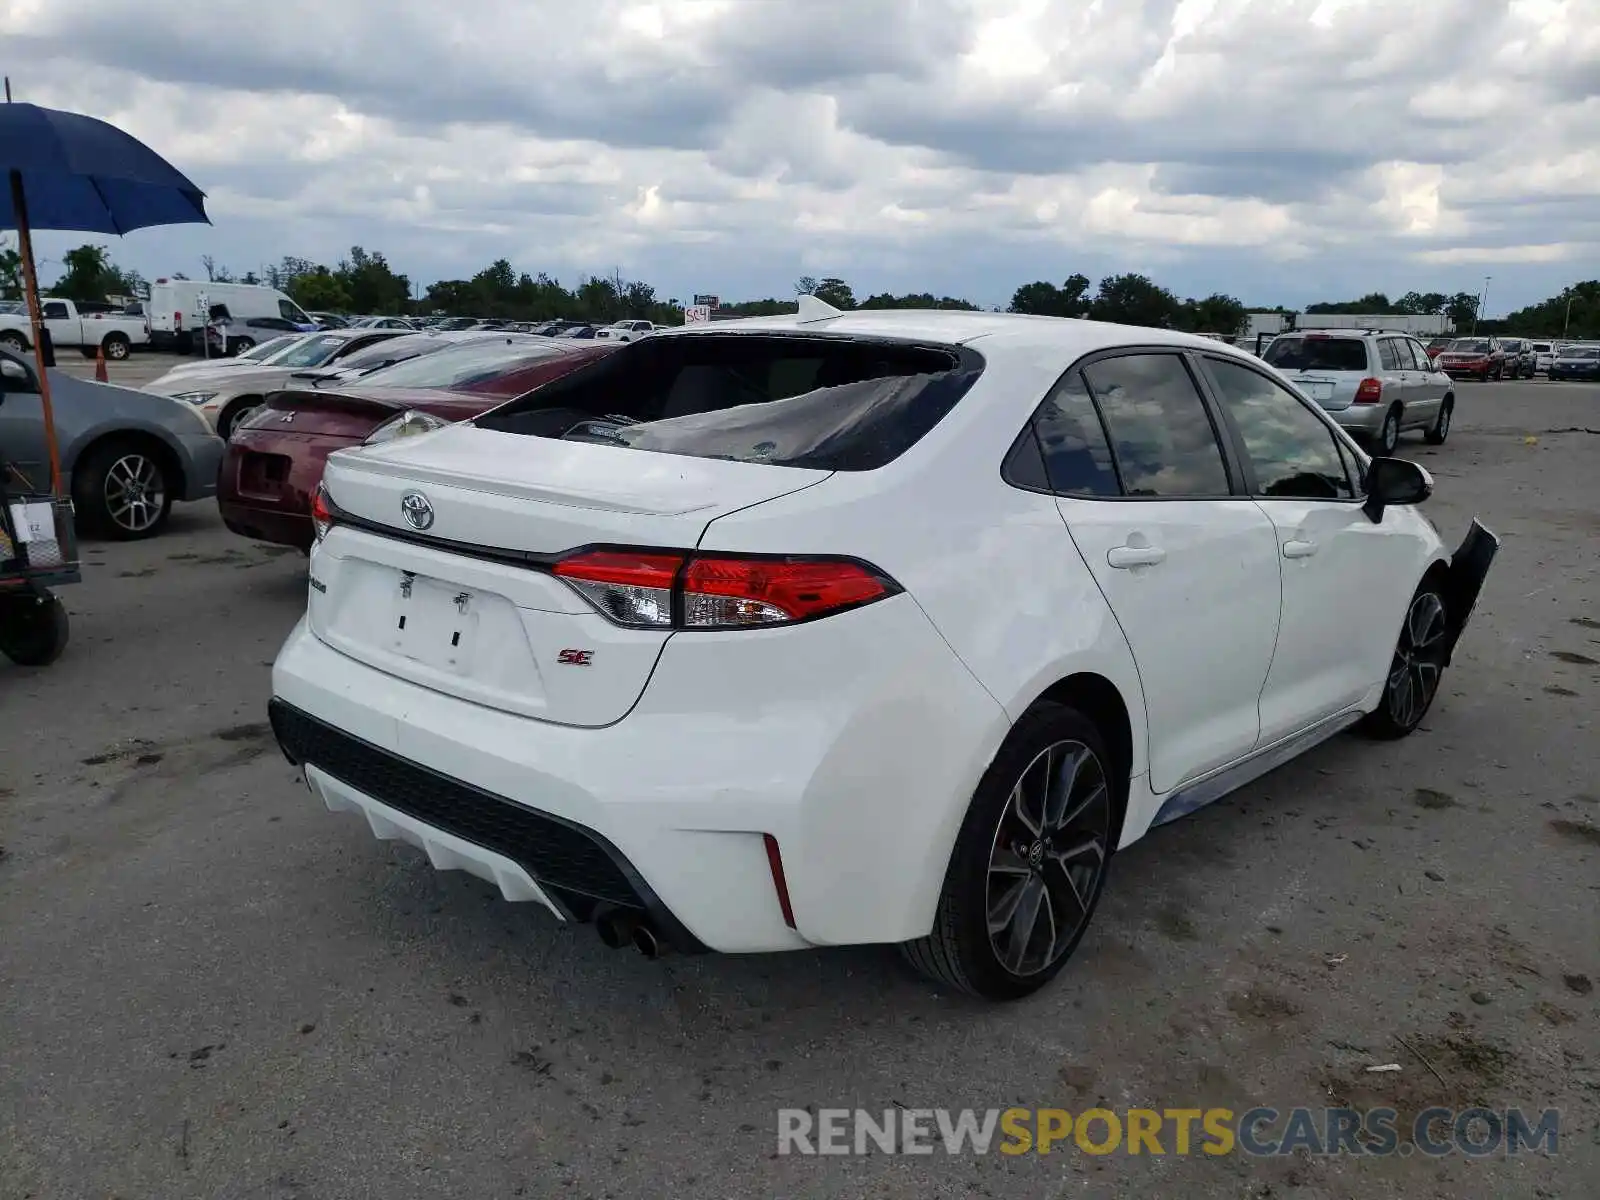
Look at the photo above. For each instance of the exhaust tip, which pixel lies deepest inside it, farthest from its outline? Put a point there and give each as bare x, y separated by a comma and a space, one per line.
616, 928
647, 943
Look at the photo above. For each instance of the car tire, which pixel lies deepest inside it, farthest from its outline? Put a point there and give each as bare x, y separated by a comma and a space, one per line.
239, 345
183, 344
121, 490
1440, 429
117, 346
228, 420
1047, 881
1415, 671
33, 629
1388, 436
14, 342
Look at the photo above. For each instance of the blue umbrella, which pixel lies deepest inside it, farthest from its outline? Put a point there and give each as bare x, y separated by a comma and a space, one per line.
81, 174
72, 172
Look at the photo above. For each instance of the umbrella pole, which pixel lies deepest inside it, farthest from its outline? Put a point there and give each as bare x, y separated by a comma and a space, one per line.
30, 288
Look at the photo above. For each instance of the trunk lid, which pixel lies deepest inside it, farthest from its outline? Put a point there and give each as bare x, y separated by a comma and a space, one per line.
466, 605
1332, 390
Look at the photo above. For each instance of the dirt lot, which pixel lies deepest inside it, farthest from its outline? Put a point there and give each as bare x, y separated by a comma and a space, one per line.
211, 987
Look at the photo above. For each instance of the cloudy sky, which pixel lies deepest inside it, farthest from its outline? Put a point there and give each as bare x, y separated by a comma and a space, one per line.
1281, 150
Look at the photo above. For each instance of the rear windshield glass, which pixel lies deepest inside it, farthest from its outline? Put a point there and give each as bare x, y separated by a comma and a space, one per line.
1581, 352
1469, 346
1318, 354
833, 404
462, 366
385, 351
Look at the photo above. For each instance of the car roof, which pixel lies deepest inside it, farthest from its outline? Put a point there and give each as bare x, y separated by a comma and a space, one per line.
1008, 332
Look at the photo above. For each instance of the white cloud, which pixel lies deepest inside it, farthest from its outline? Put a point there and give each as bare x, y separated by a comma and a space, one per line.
1282, 150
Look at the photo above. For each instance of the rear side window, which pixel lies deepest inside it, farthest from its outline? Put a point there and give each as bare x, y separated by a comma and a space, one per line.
1318, 354
1160, 432
1388, 356
1064, 448
833, 404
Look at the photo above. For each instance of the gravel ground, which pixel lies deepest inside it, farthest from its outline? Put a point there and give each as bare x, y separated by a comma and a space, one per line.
211, 987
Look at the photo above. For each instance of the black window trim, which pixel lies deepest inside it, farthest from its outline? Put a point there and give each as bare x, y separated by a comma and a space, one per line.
1348, 451
1233, 462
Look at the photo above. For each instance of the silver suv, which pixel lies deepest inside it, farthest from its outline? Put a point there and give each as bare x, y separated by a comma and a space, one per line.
1372, 382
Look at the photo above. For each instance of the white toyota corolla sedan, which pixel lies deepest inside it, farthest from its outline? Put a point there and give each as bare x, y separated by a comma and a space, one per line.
864, 627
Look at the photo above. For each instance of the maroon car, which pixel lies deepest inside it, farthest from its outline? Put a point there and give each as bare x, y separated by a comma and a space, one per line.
275, 458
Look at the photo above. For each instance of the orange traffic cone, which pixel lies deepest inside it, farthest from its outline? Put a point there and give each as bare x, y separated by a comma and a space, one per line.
100, 365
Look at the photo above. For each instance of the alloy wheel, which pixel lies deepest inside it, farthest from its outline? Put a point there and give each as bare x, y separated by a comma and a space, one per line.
135, 493
1418, 661
1048, 853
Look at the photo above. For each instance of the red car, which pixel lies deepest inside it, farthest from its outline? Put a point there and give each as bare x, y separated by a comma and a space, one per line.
275, 458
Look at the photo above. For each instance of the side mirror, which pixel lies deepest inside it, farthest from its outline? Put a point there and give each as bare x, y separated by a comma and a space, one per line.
1394, 481
14, 377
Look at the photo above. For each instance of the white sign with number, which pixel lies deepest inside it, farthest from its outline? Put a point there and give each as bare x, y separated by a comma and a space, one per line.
34, 522
696, 313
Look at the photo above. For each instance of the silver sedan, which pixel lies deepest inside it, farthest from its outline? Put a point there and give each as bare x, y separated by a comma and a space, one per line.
127, 455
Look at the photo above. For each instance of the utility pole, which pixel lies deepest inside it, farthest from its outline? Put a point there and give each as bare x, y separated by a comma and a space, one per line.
1483, 301
1567, 323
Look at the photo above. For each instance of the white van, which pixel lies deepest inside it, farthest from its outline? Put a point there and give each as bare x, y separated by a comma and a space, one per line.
176, 318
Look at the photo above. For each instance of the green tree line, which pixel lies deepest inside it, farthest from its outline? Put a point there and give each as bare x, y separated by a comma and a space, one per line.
364, 282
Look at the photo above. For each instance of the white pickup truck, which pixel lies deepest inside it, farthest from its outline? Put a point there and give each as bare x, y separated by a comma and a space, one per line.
68, 327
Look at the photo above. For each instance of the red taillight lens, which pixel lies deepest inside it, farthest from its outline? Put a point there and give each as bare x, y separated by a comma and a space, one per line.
730, 593
321, 513
630, 588
779, 883
665, 590
1369, 391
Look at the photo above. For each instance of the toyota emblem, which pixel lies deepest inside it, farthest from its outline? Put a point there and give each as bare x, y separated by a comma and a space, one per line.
414, 507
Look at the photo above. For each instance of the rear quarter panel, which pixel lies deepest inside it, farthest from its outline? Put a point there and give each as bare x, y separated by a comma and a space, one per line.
991, 567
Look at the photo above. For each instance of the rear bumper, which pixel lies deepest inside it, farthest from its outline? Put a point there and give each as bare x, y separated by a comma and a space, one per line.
202, 466
1360, 418
858, 751
273, 504
267, 525
528, 855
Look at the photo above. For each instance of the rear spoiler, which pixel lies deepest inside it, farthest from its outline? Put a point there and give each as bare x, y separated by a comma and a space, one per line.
328, 400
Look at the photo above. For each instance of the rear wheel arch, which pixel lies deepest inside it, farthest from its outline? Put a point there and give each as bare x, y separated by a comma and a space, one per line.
171, 464
1097, 698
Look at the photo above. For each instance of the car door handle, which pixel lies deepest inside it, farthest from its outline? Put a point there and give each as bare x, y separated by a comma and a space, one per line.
1299, 548
1124, 557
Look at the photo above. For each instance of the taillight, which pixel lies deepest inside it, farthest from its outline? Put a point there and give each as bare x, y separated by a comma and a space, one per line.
322, 511
651, 589
1369, 391
631, 588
